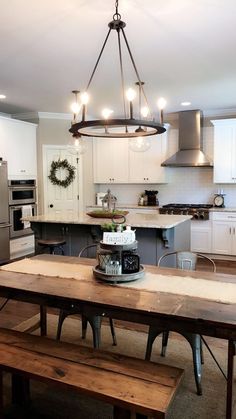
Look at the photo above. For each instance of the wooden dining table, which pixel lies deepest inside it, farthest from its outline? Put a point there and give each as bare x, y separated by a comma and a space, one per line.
200, 313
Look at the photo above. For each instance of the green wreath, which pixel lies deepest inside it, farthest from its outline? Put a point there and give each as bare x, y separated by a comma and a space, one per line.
61, 164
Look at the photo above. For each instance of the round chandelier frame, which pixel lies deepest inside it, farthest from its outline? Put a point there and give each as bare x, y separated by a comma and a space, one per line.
128, 126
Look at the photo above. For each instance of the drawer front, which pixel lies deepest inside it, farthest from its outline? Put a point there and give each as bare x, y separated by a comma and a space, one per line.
223, 216
22, 246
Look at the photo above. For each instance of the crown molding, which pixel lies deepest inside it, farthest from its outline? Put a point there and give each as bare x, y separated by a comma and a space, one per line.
170, 117
42, 115
53, 115
219, 112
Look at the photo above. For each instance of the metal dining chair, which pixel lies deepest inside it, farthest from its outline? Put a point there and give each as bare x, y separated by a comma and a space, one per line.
95, 321
183, 260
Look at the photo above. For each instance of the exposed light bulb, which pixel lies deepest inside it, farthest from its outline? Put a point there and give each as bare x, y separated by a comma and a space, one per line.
139, 144
2, 97
130, 94
185, 103
145, 111
106, 113
75, 107
161, 103
84, 98
76, 146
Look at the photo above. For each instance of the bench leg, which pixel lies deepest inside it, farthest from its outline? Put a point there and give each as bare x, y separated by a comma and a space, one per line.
119, 413
20, 390
43, 320
1, 394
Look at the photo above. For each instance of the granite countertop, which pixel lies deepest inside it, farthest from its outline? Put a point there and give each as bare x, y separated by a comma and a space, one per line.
134, 220
226, 209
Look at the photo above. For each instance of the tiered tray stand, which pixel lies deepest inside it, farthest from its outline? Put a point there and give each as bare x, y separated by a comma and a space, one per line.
118, 250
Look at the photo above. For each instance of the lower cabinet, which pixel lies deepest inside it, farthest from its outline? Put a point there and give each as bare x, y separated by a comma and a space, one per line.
201, 236
224, 233
22, 246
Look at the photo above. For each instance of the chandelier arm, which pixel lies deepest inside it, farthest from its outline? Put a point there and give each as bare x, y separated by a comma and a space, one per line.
121, 72
135, 68
95, 67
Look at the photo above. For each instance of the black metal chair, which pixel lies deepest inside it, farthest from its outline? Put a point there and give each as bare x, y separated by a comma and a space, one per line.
94, 320
183, 260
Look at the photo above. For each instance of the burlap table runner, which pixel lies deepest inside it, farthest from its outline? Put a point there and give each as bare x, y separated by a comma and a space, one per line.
223, 292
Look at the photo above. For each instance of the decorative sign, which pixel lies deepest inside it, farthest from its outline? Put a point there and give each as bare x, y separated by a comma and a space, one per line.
126, 237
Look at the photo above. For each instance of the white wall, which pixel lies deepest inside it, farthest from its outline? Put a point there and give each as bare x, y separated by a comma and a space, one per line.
55, 132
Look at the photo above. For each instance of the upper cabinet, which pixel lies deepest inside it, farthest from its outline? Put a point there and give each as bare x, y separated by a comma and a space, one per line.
110, 160
115, 162
18, 148
145, 167
224, 150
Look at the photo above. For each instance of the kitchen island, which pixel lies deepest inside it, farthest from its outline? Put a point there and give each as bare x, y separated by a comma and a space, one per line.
156, 234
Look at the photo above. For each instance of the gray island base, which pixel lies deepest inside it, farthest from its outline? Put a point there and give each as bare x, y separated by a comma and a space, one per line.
156, 234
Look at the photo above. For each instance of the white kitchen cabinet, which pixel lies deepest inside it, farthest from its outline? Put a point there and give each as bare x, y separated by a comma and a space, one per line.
115, 162
201, 236
224, 233
224, 150
110, 160
18, 148
145, 167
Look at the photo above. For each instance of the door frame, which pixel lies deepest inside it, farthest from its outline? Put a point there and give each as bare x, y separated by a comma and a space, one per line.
46, 147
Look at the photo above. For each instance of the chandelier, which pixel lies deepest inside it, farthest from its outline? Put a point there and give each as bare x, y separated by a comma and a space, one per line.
128, 126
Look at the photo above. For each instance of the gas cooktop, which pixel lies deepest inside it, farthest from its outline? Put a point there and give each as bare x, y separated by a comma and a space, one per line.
198, 211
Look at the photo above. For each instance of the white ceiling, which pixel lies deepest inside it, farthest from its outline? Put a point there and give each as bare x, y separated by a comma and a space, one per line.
184, 50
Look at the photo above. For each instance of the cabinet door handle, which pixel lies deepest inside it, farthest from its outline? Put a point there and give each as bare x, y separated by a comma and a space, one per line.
230, 230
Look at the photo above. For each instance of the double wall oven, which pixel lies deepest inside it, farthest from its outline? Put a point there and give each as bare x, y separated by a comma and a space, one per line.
22, 202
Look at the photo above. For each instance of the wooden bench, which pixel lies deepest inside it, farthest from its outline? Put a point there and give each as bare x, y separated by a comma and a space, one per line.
129, 384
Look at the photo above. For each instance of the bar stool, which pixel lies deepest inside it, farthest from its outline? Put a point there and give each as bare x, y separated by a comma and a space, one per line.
52, 244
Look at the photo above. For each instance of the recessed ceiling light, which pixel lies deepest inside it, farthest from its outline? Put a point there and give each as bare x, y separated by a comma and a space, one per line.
2, 97
185, 103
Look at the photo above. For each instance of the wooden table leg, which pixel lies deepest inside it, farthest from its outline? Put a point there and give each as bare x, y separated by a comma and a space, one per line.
230, 376
43, 320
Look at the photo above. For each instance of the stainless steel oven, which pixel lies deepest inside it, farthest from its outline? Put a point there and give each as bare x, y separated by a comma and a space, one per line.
18, 227
22, 191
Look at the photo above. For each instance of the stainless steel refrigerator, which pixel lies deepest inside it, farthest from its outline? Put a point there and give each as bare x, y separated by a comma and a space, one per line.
4, 215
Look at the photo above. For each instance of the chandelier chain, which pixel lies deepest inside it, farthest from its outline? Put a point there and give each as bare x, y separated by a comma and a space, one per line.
117, 15
95, 67
135, 68
122, 73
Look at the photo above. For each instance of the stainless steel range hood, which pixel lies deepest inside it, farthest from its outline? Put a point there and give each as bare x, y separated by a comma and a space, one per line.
190, 142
